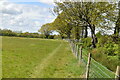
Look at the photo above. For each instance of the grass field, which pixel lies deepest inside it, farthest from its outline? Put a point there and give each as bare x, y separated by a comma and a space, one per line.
0, 58
38, 58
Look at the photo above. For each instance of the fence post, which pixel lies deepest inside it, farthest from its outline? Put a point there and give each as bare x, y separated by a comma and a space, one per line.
117, 75
74, 49
77, 47
80, 54
72, 46
88, 66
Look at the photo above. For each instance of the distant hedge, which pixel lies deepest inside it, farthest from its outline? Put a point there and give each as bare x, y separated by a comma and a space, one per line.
6, 32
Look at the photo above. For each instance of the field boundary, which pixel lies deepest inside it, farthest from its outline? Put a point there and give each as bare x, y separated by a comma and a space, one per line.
93, 68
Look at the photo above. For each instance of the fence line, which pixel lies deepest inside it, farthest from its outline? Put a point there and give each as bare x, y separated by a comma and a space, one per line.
88, 66
93, 68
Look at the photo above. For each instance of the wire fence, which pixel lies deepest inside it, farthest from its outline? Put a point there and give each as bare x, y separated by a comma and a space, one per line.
96, 70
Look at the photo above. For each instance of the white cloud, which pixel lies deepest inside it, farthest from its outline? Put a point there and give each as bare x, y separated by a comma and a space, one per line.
23, 17
10, 8
50, 2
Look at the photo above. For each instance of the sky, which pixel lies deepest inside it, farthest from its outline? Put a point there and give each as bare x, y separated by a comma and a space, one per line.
25, 15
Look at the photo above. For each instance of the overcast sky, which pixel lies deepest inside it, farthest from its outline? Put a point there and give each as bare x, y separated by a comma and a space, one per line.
26, 16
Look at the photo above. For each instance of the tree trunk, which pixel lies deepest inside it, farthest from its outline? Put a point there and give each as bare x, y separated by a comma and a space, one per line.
86, 32
115, 30
82, 34
68, 35
117, 27
46, 36
77, 36
61, 35
94, 38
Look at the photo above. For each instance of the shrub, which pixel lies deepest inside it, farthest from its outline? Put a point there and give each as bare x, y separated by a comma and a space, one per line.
108, 51
51, 37
102, 40
98, 35
6, 32
86, 42
109, 61
111, 49
115, 38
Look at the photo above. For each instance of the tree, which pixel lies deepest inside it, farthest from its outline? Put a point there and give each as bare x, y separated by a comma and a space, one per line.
88, 14
117, 27
62, 25
46, 30
6, 32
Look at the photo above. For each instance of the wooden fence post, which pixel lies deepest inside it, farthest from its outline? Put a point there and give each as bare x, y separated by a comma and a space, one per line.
77, 47
76, 51
117, 75
80, 54
73, 48
88, 66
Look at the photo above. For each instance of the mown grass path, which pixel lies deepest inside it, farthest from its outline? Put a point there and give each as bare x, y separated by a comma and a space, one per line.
43, 64
38, 58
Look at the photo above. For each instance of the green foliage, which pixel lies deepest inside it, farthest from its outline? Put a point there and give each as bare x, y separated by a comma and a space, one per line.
51, 37
46, 30
108, 51
29, 35
62, 25
6, 32
111, 62
115, 38
111, 49
95, 66
88, 13
98, 35
102, 40
57, 37
109, 45
86, 42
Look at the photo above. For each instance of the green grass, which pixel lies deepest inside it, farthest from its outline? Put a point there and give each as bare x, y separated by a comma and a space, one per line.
38, 58
0, 58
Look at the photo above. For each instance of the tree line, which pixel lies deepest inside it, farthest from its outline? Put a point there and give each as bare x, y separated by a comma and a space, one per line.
6, 32
76, 19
